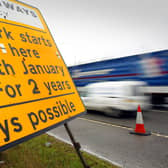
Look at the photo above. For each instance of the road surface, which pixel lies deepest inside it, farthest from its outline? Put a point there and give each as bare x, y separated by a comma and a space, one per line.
113, 142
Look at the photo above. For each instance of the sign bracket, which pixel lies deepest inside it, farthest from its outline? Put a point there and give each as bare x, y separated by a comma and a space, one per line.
76, 145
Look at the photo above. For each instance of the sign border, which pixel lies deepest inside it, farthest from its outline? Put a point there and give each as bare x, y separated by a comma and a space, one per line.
11, 144
28, 137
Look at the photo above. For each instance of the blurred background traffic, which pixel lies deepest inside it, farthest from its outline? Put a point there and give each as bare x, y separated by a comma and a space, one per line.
148, 72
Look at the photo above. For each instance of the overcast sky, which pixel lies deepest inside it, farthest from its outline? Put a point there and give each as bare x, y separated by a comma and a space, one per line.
89, 30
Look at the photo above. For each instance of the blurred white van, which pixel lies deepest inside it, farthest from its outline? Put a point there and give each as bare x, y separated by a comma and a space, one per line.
115, 98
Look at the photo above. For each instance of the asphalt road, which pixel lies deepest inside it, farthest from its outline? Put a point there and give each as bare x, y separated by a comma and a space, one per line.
109, 138
154, 120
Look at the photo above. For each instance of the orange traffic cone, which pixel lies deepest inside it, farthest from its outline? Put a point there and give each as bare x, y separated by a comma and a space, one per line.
139, 129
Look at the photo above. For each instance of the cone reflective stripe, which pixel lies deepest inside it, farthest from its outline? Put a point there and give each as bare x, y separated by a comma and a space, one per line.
140, 129
139, 122
139, 119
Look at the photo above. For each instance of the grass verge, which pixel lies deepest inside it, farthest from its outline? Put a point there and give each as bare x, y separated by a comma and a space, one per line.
36, 154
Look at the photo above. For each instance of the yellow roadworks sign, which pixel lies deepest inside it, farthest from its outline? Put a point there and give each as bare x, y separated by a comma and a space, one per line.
36, 90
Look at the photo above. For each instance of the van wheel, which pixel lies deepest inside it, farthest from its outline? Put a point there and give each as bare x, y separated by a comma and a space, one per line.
114, 113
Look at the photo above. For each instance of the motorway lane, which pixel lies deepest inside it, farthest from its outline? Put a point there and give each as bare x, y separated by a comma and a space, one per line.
117, 145
154, 120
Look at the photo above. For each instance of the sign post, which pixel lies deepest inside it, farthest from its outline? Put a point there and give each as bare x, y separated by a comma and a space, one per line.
76, 145
36, 90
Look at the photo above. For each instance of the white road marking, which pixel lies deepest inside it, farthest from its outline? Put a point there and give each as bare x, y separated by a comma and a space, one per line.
159, 111
108, 124
160, 135
86, 149
118, 126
